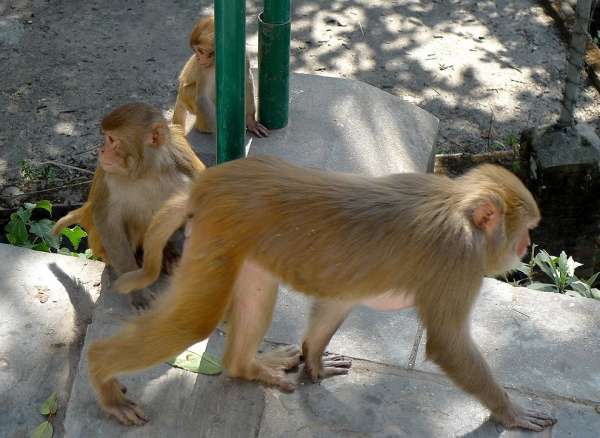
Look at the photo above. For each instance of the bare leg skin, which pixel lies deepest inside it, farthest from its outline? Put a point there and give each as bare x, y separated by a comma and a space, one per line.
254, 297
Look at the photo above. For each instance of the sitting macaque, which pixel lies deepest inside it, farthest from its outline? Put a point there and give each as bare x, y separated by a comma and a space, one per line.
386, 242
141, 164
198, 88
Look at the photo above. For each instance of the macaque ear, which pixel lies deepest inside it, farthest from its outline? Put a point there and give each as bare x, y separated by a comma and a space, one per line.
158, 134
487, 216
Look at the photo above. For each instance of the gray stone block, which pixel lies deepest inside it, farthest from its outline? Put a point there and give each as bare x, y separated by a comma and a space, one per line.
46, 302
385, 337
345, 125
379, 401
536, 341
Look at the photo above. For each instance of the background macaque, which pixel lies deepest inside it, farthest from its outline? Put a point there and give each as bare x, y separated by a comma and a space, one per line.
197, 84
388, 242
141, 164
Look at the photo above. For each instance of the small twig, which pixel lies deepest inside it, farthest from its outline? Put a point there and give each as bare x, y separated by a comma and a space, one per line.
518, 311
68, 166
94, 148
51, 189
361, 29
490, 129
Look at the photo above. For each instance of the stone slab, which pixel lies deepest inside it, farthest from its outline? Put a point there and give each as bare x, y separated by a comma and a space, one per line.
345, 125
536, 341
46, 302
179, 403
379, 401
385, 337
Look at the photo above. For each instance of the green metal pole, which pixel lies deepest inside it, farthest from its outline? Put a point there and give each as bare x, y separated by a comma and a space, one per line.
274, 28
277, 11
230, 45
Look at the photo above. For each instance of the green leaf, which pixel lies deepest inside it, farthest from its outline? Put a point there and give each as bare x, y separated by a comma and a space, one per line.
50, 406
16, 231
43, 229
42, 246
572, 265
44, 430
74, 235
581, 288
197, 363
543, 287
64, 251
524, 268
29, 206
45, 205
24, 214
590, 281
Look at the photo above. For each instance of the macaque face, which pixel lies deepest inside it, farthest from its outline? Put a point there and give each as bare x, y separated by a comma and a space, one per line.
205, 56
111, 154
515, 250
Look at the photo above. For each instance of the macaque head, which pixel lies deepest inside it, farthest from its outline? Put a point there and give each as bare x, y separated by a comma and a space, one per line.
506, 212
132, 133
202, 41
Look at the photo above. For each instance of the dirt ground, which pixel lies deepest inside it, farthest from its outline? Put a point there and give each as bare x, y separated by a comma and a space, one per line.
486, 69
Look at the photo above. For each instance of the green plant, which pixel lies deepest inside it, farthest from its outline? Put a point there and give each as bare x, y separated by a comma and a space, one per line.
30, 172
22, 230
561, 271
48, 409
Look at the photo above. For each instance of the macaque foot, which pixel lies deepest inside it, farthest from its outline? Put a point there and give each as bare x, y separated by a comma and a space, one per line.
113, 401
141, 299
285, 358
256, 128
270, 368
328, 366
525, 418
170, 258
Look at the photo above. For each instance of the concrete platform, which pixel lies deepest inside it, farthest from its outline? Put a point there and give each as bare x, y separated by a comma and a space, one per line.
46, 303
344, 125
543, 347
390, 391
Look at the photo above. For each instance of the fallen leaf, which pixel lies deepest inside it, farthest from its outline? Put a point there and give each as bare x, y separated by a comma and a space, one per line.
197, 363
44, 430
50, 406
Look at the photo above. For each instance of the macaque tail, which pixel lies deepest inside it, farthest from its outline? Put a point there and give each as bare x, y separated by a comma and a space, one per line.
71, 218
164, 223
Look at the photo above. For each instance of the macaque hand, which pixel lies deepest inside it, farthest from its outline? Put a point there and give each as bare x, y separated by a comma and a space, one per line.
256, 128
141, 299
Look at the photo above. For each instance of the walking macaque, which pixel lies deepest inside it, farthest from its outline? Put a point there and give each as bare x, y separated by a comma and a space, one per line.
142, 162
387, 242
197, 84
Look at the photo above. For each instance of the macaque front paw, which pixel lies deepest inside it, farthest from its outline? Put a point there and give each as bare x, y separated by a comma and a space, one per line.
114, 402
327, 366
256, 128
531, 419
141, 299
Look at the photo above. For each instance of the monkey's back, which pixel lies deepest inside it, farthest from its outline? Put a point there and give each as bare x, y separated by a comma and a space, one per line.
341, 228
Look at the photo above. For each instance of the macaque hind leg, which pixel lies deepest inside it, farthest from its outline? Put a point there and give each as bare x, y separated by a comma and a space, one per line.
325, 318
255, 294
197, 304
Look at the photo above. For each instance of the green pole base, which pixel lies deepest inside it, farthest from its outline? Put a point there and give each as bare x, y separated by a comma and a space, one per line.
273, 73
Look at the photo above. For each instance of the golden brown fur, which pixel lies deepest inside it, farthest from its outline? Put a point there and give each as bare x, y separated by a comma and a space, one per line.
146, 163
387, 242
197, 85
